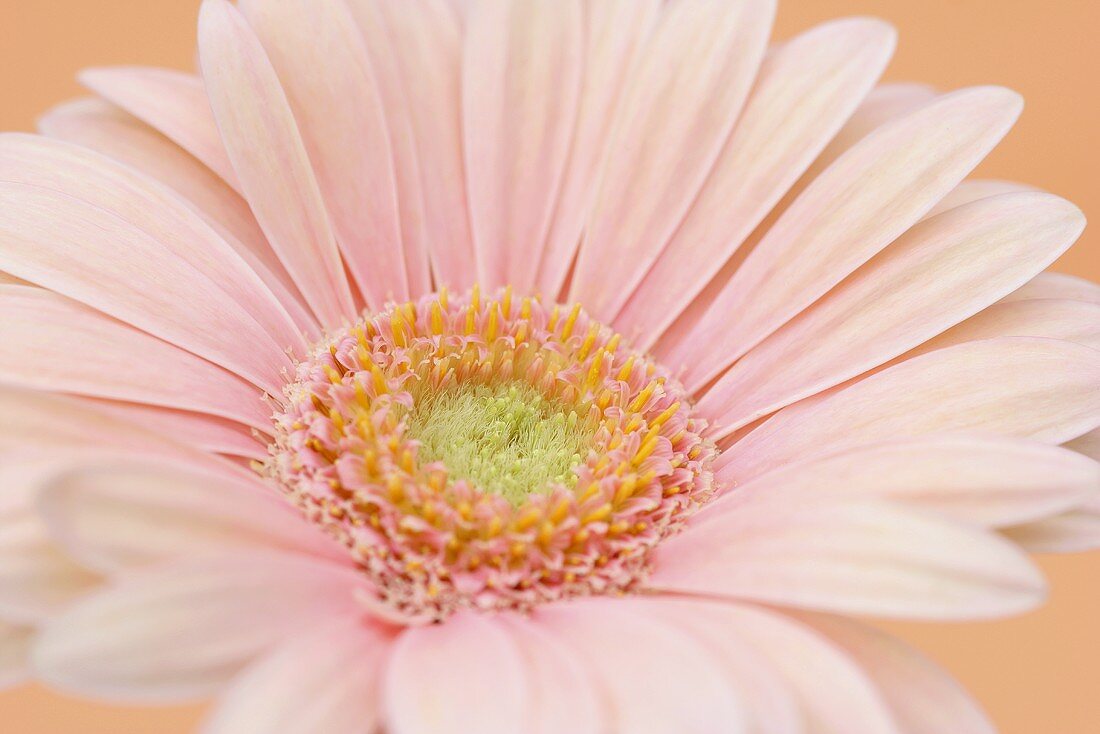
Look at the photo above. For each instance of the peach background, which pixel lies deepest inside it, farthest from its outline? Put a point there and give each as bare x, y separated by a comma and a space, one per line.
1037, 674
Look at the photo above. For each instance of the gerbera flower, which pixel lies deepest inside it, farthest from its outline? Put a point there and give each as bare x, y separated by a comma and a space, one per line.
528, 366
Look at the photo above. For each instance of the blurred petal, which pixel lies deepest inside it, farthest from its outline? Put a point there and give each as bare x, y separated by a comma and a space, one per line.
15, 644
182, 631
465, 675
1058, 285
323, 681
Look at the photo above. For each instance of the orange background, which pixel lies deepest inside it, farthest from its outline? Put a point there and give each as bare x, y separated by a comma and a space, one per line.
1037, 674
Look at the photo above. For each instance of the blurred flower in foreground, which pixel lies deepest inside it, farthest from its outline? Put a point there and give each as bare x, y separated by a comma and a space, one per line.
528, 366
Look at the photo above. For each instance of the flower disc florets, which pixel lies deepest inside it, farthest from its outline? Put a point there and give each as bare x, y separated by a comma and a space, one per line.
489, 453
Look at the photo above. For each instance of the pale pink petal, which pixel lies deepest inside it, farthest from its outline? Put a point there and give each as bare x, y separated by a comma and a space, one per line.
854, 557
987, 481
833, 694
1075, 321
172, 102
323, 681
42, 425
1043, 389
937, 274
113, 517
36, 577
563, 697
324, 68
53, 343
656, 677
98, 258
1058, 285
804, 92
770, 701
976, 190
99, 125
865, 200
521, 82
151, 207
679, 105
395, 105
180, 632
206, 433
15, 646
922, 696
615, 32
6, 279
426, 43
465, 675
1070, 532
263, 142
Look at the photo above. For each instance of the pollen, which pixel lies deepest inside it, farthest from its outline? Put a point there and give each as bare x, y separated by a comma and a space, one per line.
489, 453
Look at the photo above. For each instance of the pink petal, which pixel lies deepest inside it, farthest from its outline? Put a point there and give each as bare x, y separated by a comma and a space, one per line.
976, 190
804, 92
41, 425
323, 64
53, 343
182, 631
834, 695
1058, 285
266, 148
563, 696
869, 197
114, 517
206, 433
922, 696
99, 258
426, 42
15, 645
937, 274
1075, 321
615, 31
171, 102
465, 675
656, 676
1042, 389
36, 578
395, 105
772, 706
106, 129
987, 481
854, 557
324, 680
521, 82
1074, 531
679, 105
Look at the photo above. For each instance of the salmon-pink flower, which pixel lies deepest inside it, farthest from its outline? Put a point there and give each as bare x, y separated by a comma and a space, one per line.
586, 366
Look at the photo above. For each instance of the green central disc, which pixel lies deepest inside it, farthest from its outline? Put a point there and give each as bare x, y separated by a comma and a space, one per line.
507, 439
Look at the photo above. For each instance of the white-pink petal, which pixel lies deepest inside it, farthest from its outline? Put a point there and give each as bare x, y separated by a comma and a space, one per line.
864, 201
465, 675
182, 631
53, 343
679, 104
325, 680
656, 677
1043, 389
937, 274
1058, 285
266, 148
983, 480
113, 517
521, 84
921, 695
849, 556
326, 72
805, 90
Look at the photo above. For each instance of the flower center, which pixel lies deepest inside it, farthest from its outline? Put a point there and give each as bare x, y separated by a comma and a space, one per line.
489, 453
505, 438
